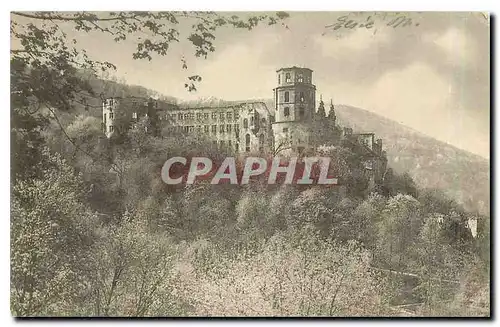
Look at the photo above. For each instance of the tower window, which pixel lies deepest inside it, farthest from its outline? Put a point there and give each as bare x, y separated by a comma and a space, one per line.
301, 97
288, 79
247, 143
110, 115
287, 96
286, 112
301, 112
245, 123
111, 128
279, 78
300, 78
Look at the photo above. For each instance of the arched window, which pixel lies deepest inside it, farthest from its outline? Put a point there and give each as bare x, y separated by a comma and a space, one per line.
286, 112
287, 96
247, 143
245, 123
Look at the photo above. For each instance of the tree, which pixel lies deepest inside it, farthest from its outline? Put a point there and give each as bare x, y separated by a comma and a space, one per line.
51, 234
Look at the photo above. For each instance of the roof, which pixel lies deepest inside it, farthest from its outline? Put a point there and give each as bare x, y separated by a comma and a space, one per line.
294, 67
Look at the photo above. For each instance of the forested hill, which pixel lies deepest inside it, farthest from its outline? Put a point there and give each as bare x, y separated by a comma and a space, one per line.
432, 164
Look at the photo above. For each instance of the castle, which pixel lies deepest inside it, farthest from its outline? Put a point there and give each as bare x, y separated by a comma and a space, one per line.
293, 126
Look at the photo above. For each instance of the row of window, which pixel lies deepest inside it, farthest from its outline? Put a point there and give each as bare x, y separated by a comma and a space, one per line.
288, 78
227, 128
205, 116
301, 97
110, 117
286, 112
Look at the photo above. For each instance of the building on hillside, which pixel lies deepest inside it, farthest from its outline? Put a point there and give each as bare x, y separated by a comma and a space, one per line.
292, 127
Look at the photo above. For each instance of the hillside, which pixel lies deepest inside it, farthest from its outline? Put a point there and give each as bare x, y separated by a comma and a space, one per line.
433, 164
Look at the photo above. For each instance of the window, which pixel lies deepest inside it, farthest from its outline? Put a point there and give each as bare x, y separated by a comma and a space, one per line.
104, 118
287, 96
288, 78
236, 116
247, 143
214, 143
301, 112
261, 142
214, 115
191, 129
279, 78
221, 143
191, 115
263, 121
198, 129
228, 128
221, 129
221, 116
214, 129
229, 143
286, 112
110, 115
236, 128
179, 116
198, 116
229, 115
251, 121
245, 123
237, 147
300, 78
285, 130
205, 115
111, 128
301, 97
206, 129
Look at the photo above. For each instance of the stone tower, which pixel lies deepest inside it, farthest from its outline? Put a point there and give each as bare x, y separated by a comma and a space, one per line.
295, 99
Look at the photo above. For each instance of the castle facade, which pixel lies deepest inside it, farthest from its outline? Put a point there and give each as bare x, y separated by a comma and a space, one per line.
291, 126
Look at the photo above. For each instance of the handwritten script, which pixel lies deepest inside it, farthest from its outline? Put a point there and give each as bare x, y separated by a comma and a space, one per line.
371, 21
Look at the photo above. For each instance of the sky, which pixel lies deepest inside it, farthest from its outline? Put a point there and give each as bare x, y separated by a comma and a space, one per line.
432, 75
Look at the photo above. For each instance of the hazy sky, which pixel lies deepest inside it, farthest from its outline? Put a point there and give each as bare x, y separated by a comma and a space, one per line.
433, 77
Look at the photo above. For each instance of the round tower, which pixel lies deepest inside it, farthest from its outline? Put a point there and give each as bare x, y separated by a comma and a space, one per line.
295, 99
